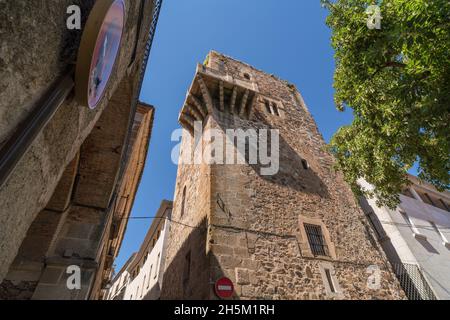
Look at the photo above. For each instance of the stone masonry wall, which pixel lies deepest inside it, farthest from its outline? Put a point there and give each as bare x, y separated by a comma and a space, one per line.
254, 235
188, 233
255, 239
36, 50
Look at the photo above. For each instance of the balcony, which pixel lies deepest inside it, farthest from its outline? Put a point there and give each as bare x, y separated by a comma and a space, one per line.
212, 91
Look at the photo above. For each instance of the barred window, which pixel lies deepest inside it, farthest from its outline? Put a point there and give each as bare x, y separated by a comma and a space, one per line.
272, 107
316, 240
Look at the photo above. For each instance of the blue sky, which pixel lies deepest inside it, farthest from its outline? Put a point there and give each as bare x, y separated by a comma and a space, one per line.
288, 38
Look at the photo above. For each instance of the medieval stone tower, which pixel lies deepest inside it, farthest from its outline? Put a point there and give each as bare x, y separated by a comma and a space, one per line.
295, 234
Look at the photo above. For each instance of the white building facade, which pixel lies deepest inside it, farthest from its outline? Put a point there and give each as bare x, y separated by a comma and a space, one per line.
141, 277
415, 237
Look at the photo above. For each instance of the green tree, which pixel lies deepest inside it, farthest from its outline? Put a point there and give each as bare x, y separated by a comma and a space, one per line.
396, 79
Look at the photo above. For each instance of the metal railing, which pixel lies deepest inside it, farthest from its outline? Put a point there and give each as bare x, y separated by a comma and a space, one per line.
148, 45
413, 282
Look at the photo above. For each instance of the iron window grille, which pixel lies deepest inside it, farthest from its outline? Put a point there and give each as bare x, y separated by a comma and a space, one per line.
413, 282
316, 240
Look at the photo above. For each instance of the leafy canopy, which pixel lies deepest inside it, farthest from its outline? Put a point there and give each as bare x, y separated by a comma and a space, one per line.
397, 81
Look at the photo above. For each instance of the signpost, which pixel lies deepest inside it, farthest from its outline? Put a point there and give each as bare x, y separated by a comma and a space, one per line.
98, 51
224, 288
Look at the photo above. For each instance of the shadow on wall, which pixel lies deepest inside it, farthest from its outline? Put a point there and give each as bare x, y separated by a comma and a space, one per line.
294, 172
427, 245
71, 38
191, 274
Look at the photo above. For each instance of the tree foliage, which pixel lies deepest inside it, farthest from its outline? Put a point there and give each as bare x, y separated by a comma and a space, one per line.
396, 79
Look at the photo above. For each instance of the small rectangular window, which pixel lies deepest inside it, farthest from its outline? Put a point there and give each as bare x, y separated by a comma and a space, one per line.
275, 109
316, 240
143, 285
430, 200
407, 219
444, 205
157, 265
441, 235
411, 224
407, 192
330, 280
149, 276
266, 103
305, 164
187, 268
425, 197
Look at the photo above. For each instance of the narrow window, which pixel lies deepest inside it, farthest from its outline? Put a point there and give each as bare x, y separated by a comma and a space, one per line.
444, 205
183, 201
407, 219
407, 192
149, 276
435, 227
330, 280
187, 268
275, 109
425, 198
410, 224
305, 164
157, 265
266, 103
316, 240
430, 201
247, 76
143, 285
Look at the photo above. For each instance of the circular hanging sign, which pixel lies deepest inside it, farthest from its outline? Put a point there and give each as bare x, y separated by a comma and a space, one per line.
98, 51
224, 288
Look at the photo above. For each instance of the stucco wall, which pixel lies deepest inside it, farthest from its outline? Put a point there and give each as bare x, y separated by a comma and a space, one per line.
150, 276
428, 251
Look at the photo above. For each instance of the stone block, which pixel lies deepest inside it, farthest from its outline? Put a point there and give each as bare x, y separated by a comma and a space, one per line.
242, 276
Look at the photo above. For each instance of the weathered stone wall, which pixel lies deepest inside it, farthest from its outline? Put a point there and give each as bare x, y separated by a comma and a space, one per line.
188, 233
254, 229
36, 49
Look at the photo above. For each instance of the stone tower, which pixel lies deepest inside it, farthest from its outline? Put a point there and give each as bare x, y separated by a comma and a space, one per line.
297, 233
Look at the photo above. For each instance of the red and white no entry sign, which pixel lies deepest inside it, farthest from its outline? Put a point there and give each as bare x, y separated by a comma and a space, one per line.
224, 288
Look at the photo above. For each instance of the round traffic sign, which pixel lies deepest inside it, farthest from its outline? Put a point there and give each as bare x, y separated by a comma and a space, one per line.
98, 51
224, 288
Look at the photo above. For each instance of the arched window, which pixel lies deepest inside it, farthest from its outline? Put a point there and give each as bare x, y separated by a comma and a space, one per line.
183, 201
